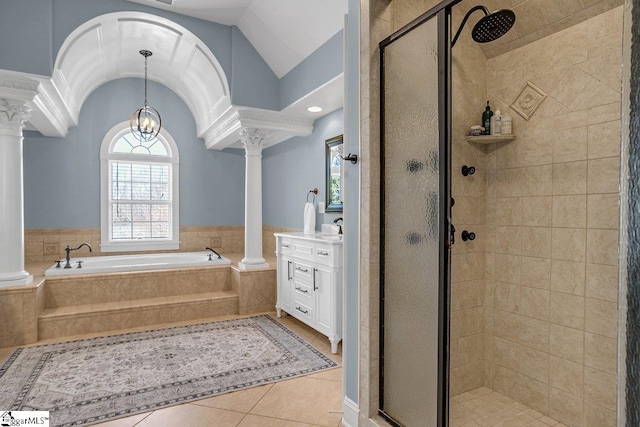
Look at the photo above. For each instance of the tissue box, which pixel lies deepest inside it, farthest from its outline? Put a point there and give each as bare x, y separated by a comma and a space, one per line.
329, 229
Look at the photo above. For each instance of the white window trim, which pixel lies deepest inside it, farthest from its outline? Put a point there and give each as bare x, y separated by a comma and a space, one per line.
105, 155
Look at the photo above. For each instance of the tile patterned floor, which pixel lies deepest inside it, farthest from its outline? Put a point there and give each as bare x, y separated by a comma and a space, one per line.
484, 407
310, 401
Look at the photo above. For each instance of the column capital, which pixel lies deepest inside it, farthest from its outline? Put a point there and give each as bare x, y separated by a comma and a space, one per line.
253, 139
13, 114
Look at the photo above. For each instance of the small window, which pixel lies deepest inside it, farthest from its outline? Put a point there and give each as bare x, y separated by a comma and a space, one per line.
139, 200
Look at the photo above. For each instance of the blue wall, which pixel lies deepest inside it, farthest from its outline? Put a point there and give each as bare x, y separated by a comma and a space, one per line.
251, 81
62, 175
352, 202
49, 23
25, 36
292, 168
253, 84
324, 64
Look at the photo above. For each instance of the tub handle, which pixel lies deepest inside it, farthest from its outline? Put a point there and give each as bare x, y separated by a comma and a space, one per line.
58, 263
79, 264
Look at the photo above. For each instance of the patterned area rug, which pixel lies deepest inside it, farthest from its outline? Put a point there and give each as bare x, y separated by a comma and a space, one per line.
90, 381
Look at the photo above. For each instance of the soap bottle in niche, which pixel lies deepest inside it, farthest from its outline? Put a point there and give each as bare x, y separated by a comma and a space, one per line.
496, 123
506, 127
486, 119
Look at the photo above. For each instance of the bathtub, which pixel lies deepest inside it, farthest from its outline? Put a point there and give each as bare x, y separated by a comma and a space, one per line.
120, 263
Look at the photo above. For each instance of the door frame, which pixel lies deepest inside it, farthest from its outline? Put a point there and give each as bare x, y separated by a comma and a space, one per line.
441, 12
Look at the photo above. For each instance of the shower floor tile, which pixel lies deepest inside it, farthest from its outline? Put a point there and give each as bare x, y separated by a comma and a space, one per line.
483, 407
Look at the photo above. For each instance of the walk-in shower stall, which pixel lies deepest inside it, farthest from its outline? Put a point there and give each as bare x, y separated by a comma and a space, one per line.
499, 253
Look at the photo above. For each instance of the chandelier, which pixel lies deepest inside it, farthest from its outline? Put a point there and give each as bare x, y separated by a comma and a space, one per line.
146, 122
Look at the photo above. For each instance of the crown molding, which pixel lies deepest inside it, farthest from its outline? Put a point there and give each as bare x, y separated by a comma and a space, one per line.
49, 112
54, 110
224, 132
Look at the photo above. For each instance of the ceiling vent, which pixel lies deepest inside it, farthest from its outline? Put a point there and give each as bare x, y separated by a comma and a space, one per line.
165, 1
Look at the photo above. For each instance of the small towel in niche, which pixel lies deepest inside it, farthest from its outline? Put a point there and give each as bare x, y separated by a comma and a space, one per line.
309, 218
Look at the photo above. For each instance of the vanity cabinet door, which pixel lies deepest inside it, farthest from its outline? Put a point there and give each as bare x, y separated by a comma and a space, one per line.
285, 280
325, 299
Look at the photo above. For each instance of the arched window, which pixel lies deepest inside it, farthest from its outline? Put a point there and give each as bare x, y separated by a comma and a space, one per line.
139, 192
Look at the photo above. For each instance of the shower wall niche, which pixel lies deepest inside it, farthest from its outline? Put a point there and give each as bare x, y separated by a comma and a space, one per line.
534, 312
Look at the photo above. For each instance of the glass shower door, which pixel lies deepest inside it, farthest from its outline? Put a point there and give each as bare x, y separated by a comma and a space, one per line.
414, 256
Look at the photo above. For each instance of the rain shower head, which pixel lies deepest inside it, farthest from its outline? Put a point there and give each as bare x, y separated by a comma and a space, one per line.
491, 27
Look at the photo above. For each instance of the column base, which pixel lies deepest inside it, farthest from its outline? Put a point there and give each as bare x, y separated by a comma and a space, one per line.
27, 279
252, 264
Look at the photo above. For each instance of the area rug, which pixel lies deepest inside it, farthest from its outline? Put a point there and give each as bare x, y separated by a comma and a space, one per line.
93, 380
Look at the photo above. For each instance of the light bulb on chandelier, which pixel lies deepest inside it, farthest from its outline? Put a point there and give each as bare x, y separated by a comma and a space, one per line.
145, 123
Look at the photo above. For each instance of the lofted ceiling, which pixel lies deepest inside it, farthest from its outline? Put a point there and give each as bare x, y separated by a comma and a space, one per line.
284, 32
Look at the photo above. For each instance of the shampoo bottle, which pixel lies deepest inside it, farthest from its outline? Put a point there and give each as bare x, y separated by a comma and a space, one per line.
486, 119
496, 123
506, 127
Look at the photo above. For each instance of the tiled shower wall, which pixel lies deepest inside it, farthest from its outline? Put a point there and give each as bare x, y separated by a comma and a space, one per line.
552, 210
469, 68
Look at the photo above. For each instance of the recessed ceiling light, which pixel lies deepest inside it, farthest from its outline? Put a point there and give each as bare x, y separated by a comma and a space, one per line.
314, 109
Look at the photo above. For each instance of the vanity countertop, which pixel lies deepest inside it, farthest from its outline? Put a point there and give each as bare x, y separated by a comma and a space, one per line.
333, 239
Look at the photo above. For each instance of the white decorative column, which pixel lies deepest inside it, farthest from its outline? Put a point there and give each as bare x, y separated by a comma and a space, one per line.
13, 116
252, 140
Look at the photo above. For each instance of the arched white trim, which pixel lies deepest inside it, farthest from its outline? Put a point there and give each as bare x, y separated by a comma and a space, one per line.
107, 47
107, 245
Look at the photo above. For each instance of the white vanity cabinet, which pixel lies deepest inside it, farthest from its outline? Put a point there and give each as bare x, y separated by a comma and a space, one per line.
310, 281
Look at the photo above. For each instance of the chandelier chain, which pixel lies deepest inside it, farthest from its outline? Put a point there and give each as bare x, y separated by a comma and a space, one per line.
145, 80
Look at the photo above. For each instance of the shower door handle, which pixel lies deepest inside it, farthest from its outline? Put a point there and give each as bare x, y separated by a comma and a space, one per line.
452, 234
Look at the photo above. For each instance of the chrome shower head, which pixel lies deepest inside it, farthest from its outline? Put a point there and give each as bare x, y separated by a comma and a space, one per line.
491, 27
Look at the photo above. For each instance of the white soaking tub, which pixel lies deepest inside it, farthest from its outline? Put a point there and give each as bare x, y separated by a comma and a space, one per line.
121, 263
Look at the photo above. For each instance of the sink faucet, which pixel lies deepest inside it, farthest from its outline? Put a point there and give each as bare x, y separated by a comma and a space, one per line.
68, 250
335, 221
209, 249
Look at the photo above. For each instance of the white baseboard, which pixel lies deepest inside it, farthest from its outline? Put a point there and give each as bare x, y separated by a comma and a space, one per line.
350, 413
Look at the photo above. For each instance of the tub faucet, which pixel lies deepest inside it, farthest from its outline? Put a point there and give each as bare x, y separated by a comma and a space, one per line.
335, 221
68, 250
209, 249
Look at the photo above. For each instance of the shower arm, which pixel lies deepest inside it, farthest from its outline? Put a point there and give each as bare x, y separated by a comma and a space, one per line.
464, 21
